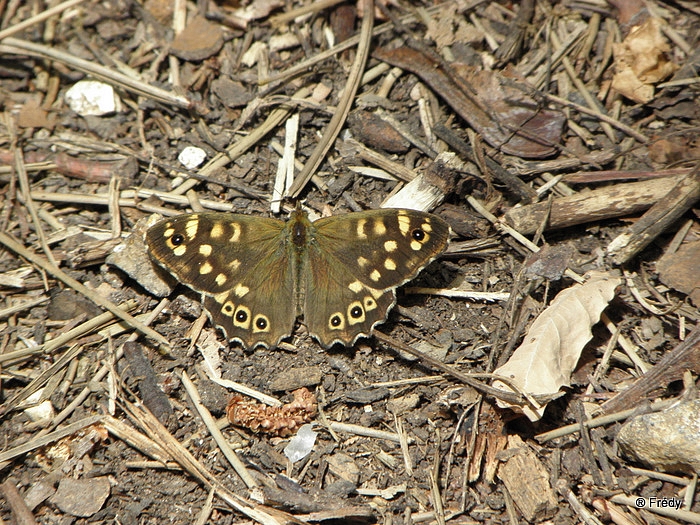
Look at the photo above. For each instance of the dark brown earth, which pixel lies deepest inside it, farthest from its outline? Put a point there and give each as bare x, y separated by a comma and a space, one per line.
535, 115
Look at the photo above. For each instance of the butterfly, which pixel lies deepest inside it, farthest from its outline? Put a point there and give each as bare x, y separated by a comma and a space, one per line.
257, 276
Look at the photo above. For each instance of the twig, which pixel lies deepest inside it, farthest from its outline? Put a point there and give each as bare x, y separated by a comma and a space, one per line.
517, 397
96, 298
21, 513
515, 234
685, 356
41, 441
364, 431
104, 369
211, 425
600, 421
240, 147
578, 507
15, 309
151, 426
667, 210
344, 104
18, 46
21, 26
40, 380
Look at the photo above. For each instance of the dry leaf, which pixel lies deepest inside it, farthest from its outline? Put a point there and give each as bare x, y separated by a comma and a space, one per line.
553, 345
642, 61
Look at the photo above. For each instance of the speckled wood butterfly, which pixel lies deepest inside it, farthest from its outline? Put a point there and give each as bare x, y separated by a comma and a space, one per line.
258, 275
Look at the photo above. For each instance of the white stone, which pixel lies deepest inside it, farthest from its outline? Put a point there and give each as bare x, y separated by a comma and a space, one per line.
191, 157
91, 97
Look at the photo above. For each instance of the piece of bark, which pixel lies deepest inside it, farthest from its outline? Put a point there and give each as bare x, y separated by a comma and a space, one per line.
658, 218
527, 482
679, 270
603, 203
198, 41
140, 370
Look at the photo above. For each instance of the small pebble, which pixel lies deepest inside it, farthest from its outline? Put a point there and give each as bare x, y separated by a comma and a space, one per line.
192, 157
90, 97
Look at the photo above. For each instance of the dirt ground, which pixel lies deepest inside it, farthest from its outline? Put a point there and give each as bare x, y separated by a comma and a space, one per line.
542, 368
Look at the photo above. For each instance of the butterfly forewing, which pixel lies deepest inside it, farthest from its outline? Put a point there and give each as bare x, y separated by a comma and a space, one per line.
240, 264
383, 248
355, 263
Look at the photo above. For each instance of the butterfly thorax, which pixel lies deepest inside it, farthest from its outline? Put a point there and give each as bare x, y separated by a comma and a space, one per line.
299, 224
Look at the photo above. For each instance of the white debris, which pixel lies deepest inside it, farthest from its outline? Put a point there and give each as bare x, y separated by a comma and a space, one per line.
91, 97
302, 444
191, 157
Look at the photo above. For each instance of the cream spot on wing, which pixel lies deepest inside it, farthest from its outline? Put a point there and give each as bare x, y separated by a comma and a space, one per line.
221, 279
221, 297
426, 226
379, 227
390, 246
389, 264
415, 245
217, 230
375, 275
362, 262
191, 227
240, 290
205, 249
168, 232
205, 268
404, 222
234, 265
376, 293
370, 303
236, 232
179, 251
227, 309
355, 286
361, 229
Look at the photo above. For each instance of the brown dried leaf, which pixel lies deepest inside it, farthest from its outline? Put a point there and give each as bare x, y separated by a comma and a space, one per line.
642, 61
545, 360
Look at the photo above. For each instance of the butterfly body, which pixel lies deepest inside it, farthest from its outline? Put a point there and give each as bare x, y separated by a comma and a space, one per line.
258, 275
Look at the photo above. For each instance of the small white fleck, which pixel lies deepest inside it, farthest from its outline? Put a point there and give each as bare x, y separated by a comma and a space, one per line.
90, 97
191, 157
